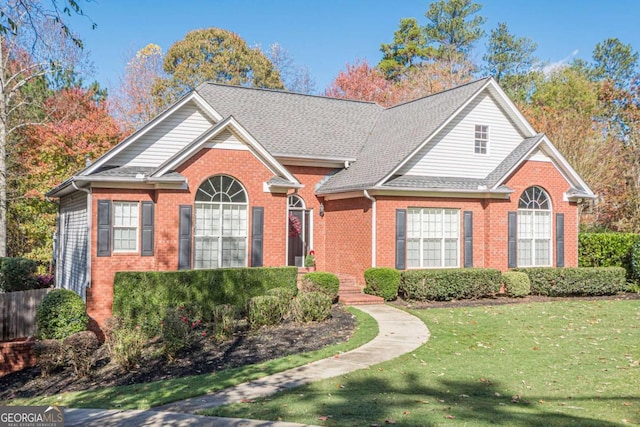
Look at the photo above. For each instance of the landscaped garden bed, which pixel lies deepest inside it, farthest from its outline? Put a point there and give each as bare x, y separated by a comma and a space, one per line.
208, 355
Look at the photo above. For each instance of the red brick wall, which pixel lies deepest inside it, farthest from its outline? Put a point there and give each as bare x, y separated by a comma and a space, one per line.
489, 218
16, 355
241, 165
387, 206
348, 241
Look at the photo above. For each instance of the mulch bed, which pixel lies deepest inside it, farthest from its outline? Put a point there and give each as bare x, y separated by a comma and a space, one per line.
245, 348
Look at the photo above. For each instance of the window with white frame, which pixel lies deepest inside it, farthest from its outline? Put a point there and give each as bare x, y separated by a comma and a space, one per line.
534, 228
433, 237
125, 226
220, 224
481, 139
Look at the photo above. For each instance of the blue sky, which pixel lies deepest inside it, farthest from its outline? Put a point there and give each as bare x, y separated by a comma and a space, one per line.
325, 34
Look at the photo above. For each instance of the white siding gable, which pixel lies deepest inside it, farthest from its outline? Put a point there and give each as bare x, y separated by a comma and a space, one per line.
451, 152
539, 156
226, 140
166, 138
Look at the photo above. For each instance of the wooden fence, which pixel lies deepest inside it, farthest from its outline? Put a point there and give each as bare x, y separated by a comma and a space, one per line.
18, 313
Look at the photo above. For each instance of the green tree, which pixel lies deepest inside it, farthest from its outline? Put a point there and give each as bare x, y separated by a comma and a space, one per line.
409, 47
454, 27
214, 55
34, 43
615, 61
509, 59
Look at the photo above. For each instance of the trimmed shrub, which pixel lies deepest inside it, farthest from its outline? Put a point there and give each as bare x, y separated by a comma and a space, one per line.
266, 310
81, 346
125, 344
143, 298
224, 320
180, 331
582, 281
383, 282
17, 274
311, 307
607, 250
60, 314
49, 355
320, 281
516, 283
285, 294
449, 284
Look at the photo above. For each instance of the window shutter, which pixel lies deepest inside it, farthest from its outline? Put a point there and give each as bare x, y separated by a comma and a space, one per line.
104, 228
401, 239
513, 240
147, 228
257, 230
559, 240
468, 239
184, 238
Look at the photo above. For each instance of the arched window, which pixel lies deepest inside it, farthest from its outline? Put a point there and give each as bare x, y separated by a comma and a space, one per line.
295, 202
534, 228
220, 232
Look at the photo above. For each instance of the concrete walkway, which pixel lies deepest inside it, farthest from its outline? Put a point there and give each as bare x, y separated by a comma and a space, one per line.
399, 333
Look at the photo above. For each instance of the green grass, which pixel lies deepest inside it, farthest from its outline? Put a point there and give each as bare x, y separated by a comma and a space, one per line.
144, 396
554, 364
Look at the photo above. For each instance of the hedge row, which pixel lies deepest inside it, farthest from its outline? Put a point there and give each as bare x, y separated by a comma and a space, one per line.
449, 284
610, 250
144, 297
473, 283
582, 281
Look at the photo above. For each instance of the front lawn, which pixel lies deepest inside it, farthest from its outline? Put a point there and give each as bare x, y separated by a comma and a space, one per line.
557, 363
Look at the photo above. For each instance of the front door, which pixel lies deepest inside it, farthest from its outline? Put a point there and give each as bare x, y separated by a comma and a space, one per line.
298, 231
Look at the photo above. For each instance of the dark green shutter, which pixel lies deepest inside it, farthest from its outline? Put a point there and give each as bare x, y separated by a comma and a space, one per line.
184, 238
401, 239
257, 231
104, 228
559, 240
512, 244
147, 228
468, 239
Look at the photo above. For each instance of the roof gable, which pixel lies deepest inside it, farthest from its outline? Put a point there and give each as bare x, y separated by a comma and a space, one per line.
168, 116
229, 124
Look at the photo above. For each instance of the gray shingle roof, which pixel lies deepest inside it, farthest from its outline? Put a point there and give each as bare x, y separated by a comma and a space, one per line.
512, 159
398, 132
290, 124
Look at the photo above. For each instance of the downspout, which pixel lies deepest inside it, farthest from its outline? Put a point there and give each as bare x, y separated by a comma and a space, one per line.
89, 222
373, 227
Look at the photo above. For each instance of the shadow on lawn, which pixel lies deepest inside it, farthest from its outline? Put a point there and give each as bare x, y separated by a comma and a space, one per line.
375, 402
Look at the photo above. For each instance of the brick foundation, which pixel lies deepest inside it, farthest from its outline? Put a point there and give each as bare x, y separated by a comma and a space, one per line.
15, 356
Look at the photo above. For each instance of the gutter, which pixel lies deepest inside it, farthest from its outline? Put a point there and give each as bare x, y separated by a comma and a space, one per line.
374, 236
89, 224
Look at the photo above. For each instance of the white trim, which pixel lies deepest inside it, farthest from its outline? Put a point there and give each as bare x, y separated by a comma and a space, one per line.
319, 162
193, 96
486, 140
374, 234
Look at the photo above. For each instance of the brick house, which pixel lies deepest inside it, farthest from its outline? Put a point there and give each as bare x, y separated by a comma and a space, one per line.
231, 176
